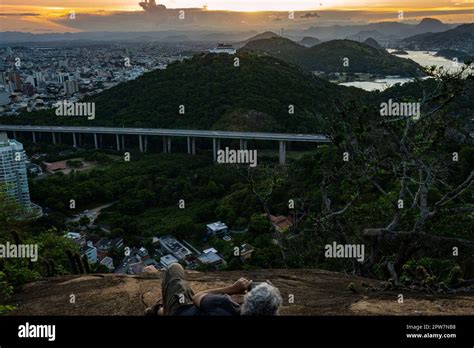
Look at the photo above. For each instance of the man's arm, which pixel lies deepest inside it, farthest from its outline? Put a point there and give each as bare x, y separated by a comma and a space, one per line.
239, 287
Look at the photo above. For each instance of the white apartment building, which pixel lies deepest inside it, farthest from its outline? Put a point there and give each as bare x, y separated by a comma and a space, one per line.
13, 175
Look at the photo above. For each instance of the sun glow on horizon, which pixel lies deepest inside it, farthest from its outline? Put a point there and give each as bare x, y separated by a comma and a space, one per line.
43, 15
240, 5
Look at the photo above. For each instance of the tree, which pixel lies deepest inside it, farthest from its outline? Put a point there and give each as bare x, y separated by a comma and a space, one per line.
72, 262
78, 261
85, 262
259, 225
406, 159
271, 177
84, 220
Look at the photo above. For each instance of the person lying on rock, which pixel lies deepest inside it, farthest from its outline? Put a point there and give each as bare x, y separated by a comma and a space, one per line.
262, 299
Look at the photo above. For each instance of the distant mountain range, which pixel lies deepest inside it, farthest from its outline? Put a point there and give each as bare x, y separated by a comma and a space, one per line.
381, 31
460, 38
264, 35
13, 37
335, 56
309, 41
372, 43
378, 31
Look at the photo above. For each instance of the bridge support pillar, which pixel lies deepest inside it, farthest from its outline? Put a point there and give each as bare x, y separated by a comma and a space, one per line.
282, 156
96, 141
14, 134
214, 152
216, 145
117, 138
74, 140
191, 146
243, 144
123, 142
140, 141
164, 145
54, 138
34, 137
168, 143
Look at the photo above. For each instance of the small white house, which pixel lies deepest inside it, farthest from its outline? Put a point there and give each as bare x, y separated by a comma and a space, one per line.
217, 228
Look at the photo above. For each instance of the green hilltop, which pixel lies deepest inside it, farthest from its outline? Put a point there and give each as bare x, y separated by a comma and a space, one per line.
329, 57
211, 88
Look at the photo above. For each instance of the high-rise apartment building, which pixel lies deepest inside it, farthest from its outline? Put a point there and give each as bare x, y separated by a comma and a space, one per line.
13, 174
15, 79
71, 87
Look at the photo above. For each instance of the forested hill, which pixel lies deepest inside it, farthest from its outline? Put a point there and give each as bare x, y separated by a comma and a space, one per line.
211, 89
329, 57
459, 38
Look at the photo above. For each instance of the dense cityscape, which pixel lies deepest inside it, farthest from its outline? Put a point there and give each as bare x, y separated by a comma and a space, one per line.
36, 78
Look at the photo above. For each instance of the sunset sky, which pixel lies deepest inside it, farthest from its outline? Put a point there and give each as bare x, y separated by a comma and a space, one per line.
40, 15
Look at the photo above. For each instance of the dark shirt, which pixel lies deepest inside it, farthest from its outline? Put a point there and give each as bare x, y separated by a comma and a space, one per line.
212, 304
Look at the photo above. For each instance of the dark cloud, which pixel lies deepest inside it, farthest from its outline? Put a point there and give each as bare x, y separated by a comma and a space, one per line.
18, 14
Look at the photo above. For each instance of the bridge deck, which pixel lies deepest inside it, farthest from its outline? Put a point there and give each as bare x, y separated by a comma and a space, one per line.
315, 138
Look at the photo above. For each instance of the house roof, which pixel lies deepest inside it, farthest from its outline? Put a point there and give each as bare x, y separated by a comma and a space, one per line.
172, 245
209, 258
149, 262
106, 259
87, 247
245, 248
281, 222
168, 260
103, 244
102, 254
137, 267
51, 167
217, 226
210, 250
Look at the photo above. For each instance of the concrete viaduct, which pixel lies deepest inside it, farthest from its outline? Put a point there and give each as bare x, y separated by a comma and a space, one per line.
166, 134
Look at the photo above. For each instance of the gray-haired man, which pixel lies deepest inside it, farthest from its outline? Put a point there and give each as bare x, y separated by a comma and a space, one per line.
179, 299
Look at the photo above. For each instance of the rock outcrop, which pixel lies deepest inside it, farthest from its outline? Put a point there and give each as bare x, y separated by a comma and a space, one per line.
315, 292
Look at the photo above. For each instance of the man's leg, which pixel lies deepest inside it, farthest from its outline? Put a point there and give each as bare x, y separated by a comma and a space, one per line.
175, 290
